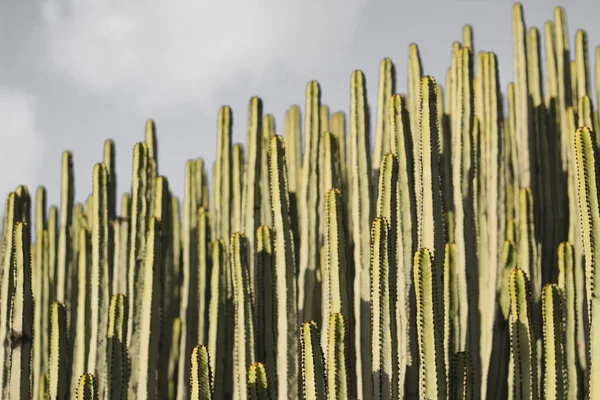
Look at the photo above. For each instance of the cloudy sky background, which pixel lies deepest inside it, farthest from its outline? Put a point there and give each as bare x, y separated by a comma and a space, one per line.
75, 72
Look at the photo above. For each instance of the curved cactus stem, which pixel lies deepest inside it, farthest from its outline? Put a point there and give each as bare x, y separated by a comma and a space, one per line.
59, 363
313, 366
117, 371
201, 375
87, 388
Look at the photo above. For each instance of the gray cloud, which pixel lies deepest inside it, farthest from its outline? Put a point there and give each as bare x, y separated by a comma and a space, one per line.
22, 142
162, 55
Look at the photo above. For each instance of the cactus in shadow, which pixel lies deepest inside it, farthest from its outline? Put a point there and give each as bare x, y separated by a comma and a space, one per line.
201, 375
463, 377
21, 316
117, 355
523, 348
59, 362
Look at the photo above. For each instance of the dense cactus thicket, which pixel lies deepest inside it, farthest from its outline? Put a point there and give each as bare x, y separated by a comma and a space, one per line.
454, 260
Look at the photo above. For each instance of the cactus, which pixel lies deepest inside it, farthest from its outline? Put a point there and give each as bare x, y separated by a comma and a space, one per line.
432, 375
201, 375
309, 200
258, 387
567, 286
361, 218
337, 359
523, 358
117, 356
313, 365
381, 366
87, 388
146, 339
59, 362
81, 348
285, 271
553, 326
244, 350
21, 316
467, 206
463, 376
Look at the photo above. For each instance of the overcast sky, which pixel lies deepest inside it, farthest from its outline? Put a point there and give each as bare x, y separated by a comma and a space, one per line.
75, 72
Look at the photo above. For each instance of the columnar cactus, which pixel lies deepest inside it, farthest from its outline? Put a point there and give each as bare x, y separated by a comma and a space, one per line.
201, 375
313, 365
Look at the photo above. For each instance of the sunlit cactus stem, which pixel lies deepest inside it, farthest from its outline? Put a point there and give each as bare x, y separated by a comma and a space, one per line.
313, 365
87, 388
59, 362
258, 386
201, 375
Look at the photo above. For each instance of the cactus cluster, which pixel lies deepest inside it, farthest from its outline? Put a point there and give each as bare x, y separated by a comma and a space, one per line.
454, 261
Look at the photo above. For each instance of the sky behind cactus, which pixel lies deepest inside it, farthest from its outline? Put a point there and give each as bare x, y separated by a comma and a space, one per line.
75, 72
